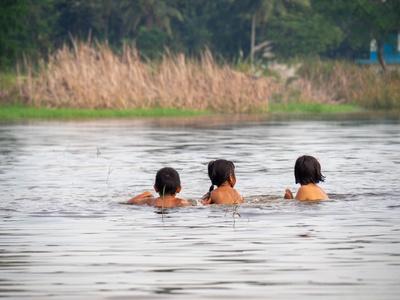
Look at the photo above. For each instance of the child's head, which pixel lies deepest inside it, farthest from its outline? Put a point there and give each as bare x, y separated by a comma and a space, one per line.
307, 170
168, 178
220, 171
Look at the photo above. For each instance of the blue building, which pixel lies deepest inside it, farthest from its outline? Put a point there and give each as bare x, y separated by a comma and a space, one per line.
390, 56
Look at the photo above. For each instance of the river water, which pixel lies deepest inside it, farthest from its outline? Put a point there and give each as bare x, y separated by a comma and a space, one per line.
66, 234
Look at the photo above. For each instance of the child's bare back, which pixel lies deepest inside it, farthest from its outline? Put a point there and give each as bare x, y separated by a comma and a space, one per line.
167, 185
222, 174
225, 195
167, 201
307, 172
307, 192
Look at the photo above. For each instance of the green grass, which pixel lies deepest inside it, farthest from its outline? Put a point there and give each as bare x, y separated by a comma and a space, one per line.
313, 108
13, 112
20, 112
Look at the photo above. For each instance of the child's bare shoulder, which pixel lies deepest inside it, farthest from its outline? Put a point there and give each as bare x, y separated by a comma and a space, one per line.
218, 196
226, 195
304, 192
310, 192
181, 202
174, 202
238, 198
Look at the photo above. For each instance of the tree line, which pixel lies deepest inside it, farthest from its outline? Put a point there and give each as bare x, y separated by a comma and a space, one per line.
231, 29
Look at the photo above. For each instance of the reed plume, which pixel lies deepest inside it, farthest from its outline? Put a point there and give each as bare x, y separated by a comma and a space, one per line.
87, 77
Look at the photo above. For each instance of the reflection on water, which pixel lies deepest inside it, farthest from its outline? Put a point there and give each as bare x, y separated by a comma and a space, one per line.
65, 233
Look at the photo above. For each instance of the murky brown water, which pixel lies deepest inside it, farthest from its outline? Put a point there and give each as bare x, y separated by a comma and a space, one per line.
64, 233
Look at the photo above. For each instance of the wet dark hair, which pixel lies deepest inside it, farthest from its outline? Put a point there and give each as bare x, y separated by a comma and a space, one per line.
168, 178
307, 170
219, 171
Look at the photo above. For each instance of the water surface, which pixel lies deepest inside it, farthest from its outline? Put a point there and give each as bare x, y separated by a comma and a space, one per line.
65, 233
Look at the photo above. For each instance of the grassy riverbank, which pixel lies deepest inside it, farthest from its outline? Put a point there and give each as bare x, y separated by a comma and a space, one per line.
314, 108
15, 112
94, 82
86, 77
18, 112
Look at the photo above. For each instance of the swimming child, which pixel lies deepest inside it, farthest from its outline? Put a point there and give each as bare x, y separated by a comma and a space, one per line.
167, 185
222, 174
307, 172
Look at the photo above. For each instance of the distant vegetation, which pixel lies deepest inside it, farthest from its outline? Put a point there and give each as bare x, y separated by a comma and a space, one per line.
95, 78
89, 78
344, 82
338, 29
222, 56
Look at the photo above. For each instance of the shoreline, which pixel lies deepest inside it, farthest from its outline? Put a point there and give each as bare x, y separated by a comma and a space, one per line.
21, 112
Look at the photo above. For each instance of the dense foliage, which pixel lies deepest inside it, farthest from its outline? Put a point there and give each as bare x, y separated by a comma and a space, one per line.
295, 28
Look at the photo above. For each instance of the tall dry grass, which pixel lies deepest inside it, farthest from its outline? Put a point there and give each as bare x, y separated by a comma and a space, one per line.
342, 82
96, 78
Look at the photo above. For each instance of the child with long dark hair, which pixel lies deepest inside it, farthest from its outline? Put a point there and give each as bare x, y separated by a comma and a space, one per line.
222, 175
307, 172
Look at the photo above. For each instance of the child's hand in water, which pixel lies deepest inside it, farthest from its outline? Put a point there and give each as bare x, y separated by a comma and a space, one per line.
288, 194
206, 199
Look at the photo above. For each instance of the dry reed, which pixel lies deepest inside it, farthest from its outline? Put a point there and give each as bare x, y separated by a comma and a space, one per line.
88, 77
339, 82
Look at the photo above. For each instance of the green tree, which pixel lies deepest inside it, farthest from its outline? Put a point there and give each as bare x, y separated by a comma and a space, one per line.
112, 24
301, 32
364, 20
261, 11
229, 28
39, 23
378, 18
192, 34
12, 28
151, 42
152, 12
78, 18
106, 10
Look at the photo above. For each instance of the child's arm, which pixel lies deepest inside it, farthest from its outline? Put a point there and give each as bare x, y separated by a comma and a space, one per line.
206, 199
141, 199
288, 194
